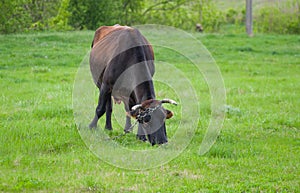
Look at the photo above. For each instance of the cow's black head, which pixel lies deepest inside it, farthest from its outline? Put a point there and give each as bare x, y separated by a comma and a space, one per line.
151, 116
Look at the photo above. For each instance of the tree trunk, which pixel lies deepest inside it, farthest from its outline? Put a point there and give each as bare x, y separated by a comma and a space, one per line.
249, 22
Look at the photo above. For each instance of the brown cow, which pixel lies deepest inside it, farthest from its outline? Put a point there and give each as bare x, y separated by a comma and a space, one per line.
122, 66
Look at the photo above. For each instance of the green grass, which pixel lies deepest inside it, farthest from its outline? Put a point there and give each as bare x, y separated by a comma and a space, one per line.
258, 149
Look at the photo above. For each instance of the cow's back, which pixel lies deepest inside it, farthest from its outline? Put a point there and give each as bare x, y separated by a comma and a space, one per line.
116, 48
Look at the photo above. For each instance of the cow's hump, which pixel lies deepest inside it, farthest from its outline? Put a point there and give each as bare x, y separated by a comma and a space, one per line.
103, 31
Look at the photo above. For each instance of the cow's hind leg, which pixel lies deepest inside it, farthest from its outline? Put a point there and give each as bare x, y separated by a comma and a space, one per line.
101, 107
108, 112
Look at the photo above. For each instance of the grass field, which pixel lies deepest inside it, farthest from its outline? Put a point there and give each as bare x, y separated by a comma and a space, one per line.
258, 149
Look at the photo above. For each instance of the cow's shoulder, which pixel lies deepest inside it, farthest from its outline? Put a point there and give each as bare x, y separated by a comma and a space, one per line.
103, 31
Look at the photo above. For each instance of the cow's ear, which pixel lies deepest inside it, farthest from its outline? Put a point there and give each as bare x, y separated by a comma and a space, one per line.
169, 114
133, 113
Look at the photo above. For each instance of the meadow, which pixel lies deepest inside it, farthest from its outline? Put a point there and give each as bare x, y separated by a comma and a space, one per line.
258, 149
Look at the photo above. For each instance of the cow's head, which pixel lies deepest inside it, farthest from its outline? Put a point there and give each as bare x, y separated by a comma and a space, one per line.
151, 116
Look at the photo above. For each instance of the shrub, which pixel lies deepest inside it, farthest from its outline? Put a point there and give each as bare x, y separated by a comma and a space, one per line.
24, 15
61, 20
184, 14
279, 19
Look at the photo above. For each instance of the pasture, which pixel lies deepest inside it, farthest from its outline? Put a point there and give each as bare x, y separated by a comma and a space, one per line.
258, 149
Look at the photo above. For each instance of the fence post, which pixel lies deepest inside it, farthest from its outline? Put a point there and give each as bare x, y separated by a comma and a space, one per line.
249, 22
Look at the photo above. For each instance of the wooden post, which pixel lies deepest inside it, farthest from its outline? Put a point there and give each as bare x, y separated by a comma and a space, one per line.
249, 21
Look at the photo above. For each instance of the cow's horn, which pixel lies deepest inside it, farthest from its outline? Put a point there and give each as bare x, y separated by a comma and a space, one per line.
169, 101
135, 107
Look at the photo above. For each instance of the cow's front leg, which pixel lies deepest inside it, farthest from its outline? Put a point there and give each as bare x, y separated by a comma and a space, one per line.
141, 134
108, 112
128, 128
101, 107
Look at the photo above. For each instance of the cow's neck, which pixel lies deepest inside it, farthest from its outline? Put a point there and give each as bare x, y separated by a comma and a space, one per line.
144, 92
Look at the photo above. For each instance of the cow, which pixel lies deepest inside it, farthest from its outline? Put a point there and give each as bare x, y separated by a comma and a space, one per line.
122, 67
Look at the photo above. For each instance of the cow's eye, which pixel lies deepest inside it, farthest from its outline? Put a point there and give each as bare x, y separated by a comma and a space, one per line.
147, 118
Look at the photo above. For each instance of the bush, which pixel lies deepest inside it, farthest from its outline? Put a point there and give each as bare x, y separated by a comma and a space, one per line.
231, 16
90, 14
212, 18
24, 15
61, 20
184, 14
13, 17
278, 20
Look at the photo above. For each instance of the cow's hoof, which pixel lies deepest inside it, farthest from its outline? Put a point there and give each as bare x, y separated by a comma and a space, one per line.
109, 128
141, 137
128, 130
92, 126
